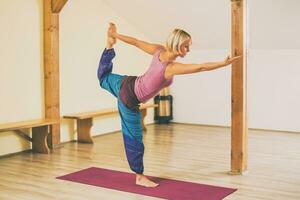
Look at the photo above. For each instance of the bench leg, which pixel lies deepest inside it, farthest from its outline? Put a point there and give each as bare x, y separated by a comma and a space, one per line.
39, 139
84, 130
143, 113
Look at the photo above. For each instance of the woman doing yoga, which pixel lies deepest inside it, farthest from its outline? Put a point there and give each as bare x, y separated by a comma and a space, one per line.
130, 91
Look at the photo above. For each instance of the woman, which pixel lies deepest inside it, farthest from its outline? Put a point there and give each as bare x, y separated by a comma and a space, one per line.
131, 90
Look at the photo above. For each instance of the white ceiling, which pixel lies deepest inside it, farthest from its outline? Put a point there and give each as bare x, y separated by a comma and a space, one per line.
273, 24
207, 21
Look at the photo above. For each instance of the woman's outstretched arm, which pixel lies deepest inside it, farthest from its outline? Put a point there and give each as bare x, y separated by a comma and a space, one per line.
179, 68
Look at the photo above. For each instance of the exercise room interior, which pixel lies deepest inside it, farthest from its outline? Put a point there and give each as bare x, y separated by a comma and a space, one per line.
230, 133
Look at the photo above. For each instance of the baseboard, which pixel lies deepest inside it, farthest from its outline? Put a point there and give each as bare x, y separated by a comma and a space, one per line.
206, 125
252, 129
15, 153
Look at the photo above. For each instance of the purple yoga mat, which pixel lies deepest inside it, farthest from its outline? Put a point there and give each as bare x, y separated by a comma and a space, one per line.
167, 189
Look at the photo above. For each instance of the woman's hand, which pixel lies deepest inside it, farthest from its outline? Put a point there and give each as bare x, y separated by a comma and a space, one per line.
228, 60
112, 30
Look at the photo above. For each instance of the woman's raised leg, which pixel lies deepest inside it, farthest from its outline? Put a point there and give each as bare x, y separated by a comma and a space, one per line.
105, 64
131, 120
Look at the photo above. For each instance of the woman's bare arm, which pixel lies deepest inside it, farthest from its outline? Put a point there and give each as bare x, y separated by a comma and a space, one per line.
145, 46
179, 68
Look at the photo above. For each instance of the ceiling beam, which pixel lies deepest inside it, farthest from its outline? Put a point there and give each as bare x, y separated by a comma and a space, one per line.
57, 5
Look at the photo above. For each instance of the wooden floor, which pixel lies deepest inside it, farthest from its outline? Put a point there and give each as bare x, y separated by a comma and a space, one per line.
186, 152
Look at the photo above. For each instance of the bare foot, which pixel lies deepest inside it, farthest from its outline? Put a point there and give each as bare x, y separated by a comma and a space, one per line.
111, 40
144, 181
112, 30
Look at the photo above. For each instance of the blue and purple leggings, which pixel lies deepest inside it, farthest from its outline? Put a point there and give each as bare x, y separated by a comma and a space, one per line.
130, 120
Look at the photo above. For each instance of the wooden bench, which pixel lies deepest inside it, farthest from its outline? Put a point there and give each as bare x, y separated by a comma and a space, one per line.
85, 120
40, 131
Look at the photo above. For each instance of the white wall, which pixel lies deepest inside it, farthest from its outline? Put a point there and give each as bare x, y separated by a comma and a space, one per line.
21, 60
273, 81
203, 98
21, 67
273, 84
274, 64
273, 89
82, 40
274, 24
274, 48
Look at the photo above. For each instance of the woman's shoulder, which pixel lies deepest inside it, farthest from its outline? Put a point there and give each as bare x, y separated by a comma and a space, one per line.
159, 49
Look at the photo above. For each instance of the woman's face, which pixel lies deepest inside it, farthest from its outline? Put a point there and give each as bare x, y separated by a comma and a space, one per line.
185, 47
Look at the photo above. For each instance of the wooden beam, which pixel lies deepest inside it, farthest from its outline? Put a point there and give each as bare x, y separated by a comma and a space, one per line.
51, 70
239, 153
57, 5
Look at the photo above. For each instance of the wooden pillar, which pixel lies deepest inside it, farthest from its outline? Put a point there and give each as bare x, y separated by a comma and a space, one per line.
239, 152
167, 103
162, 105
51, 66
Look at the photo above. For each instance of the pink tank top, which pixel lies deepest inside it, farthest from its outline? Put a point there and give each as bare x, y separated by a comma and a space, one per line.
151, 82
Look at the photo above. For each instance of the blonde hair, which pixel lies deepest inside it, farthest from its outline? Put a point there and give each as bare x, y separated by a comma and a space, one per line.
176, 38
